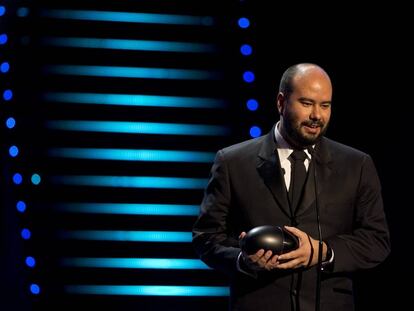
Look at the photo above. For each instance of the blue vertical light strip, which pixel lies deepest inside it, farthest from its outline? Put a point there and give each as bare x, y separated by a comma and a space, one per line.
135, 263
145, 209
148, 128
128, 17
127, 236
248, 75
149, 182
137, 100
133, 72
148, 290
131, 154
130, 45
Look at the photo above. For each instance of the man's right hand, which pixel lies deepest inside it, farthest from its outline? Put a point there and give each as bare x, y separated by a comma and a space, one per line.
261, 260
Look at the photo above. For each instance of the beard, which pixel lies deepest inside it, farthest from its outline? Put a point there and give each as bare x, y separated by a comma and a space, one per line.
298, 138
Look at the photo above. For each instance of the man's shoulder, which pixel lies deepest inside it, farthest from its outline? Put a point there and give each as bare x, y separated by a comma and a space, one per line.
251, 146
338, 148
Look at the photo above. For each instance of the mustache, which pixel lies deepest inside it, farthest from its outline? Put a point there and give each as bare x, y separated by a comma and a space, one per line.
313, 123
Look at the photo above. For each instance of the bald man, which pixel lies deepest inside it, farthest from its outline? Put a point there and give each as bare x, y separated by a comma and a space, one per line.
251, 185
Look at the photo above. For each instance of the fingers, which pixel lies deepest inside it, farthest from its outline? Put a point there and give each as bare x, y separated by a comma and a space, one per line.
263, 260
302, 256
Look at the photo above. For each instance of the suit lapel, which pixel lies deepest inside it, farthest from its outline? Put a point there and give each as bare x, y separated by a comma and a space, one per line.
269, 169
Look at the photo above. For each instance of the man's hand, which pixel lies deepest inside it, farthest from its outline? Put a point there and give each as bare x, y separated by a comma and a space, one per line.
305, 256
261, 260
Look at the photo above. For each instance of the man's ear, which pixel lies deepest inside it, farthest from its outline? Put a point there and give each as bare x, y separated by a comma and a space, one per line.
280, 102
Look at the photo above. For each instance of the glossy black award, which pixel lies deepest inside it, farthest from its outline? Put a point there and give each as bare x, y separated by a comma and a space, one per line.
274, 238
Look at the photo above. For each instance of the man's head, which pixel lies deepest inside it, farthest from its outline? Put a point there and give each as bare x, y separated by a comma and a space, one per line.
304, 104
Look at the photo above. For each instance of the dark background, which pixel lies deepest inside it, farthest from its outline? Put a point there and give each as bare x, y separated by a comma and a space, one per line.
365, 51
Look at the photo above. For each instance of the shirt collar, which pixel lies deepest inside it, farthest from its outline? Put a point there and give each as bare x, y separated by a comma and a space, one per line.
283, 147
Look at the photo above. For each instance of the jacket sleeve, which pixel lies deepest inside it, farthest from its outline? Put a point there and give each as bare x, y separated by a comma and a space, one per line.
212, 237
369, 242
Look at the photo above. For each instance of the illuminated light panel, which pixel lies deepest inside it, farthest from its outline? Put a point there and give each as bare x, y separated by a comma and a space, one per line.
132, 72
138, 127
135, 100
130, 209
128, 236
129, 17
131, 45
148, 290
131, 181
136, 263
133, 154
22, 12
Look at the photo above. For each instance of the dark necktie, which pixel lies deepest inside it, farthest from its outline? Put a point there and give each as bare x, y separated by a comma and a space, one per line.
297, 177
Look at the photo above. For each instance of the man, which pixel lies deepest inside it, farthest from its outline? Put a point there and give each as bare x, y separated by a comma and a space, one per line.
251, 185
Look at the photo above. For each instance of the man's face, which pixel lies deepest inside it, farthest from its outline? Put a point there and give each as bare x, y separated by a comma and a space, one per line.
307, 110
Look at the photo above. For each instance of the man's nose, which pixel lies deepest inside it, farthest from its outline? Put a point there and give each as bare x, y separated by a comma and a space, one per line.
315, 113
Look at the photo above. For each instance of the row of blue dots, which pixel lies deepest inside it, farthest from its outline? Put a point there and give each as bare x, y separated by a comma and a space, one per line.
21, 12
18, 179
249, 77
14, 150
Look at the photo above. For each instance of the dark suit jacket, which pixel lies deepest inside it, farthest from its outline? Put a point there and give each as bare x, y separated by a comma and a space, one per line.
246, 189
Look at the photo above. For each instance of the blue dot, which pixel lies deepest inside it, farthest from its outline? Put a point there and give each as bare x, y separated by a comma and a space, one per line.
21, 206
17, 178
252, 104
13, 151
248, 76
7, 94
26, 234
244, 22
36, 179
22, 12
246, 49
30, 261
4, 67
34, 289
2, 10
255, 131
10, 122
3, 38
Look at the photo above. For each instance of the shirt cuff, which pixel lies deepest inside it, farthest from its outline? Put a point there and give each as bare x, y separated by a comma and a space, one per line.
328, 261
